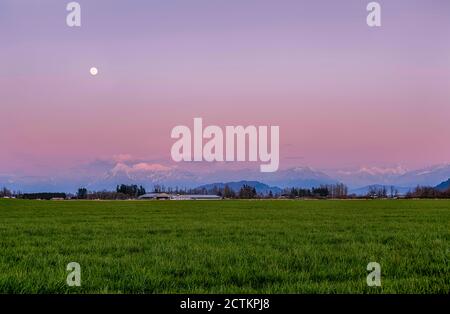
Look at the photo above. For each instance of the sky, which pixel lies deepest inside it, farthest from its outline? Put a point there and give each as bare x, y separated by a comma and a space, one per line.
342, 93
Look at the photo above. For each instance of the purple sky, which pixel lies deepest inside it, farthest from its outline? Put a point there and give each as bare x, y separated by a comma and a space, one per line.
342, 93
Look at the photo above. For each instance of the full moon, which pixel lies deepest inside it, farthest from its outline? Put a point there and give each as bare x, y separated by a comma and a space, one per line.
93, 71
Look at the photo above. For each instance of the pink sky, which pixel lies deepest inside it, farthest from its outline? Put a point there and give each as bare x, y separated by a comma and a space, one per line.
342, 93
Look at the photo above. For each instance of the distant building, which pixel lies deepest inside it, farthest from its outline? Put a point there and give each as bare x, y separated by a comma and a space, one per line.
165, 196
155, 196
195, 197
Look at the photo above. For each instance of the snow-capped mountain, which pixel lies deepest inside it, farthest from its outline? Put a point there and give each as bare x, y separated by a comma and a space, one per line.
398, 176
146, 174
151, 174
101, 175
430, 176
365, 176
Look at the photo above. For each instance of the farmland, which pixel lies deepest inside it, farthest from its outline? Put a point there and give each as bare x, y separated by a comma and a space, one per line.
269, 246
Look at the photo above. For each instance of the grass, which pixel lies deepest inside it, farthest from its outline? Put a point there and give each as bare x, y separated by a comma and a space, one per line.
225, 246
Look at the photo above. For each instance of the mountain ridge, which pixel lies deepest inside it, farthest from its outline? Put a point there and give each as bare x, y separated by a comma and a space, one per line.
443, 186
105, 175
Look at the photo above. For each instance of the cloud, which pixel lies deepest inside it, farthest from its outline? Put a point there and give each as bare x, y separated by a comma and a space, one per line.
143, 166
139, 167
122, 157
399, 170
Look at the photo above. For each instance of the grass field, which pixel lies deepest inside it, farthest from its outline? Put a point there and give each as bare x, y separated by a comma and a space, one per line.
225, 246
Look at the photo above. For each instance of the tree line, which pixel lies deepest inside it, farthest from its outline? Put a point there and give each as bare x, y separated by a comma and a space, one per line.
428, 192
122, 192
248, 192
331, 191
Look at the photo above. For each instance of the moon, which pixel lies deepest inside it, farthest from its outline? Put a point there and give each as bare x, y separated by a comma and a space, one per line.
93, 71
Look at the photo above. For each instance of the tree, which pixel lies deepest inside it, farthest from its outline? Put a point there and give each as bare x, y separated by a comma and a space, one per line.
5, 192
322, 191
131, 191
247, 192
384, 192
82, 193
376, 191
338, 190
228, 192
427, 192
141, 191
392, 191
42, 196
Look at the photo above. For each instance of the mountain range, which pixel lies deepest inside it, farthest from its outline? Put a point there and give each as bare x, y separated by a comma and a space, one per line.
106, 174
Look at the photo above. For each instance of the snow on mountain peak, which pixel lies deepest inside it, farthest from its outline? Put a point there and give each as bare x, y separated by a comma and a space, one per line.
399, 170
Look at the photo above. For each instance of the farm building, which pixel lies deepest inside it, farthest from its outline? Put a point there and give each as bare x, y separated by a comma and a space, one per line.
165, 196
195, 197
155, 196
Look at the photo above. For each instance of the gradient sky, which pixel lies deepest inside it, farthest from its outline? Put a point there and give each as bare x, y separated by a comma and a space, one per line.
342, 93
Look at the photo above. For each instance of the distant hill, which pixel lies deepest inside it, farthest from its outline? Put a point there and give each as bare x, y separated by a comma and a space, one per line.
305, 177
261, 188
444, 185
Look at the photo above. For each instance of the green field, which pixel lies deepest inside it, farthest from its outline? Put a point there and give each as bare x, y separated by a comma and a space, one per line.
225, 246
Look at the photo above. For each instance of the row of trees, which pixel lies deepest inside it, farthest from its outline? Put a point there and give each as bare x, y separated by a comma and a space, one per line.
249, 192
183, 191
42, 196
122, 192
335, 191
130, 190
339, 190
245, 192
418, 192
428, 192
4, 192
382, 192
32, 196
